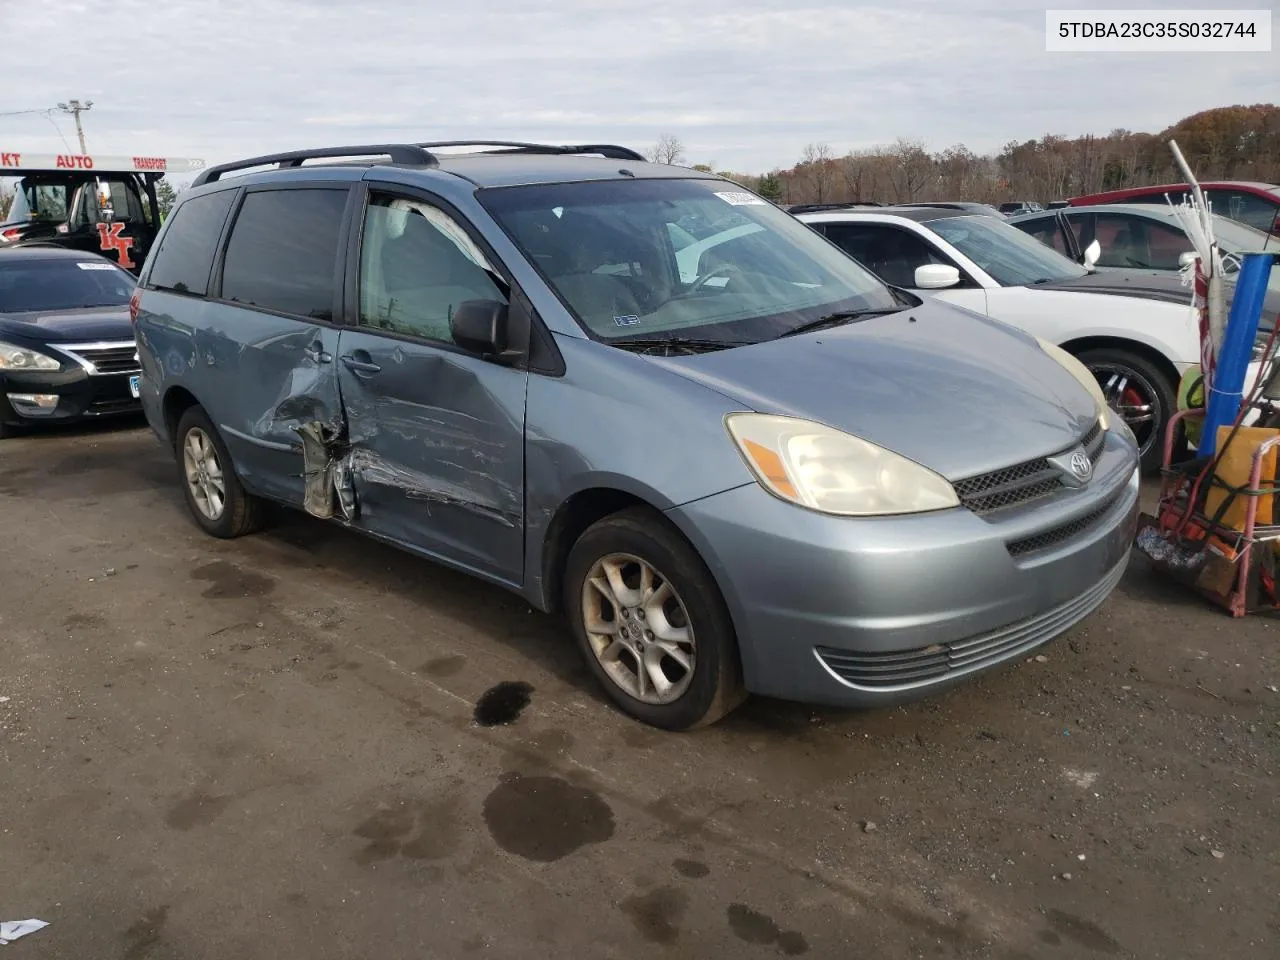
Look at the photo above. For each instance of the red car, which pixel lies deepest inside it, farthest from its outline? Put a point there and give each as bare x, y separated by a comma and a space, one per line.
1257, 204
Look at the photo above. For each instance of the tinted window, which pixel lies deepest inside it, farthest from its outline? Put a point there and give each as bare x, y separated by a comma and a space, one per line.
1047, 231
416, 266
58, 284
185, 256
283, 251
1129, 241
1246, 207
891, 253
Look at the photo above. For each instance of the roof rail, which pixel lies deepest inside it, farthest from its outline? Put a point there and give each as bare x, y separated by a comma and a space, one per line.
608, 150
400, 153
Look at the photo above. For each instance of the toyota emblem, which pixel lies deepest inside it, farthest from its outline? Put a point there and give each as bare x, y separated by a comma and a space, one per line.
1081, 466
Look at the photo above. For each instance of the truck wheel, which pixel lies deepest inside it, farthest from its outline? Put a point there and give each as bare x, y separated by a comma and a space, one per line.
1140, 393
651, 622
214, 494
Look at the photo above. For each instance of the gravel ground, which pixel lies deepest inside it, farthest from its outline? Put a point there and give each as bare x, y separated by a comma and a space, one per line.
290, 746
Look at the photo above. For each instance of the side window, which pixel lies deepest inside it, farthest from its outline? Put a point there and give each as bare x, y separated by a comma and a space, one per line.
1081, 225
283, 251
185, 256
1121, 239
417, 265
889, 252
1165, 244
1245, 207
1047, 231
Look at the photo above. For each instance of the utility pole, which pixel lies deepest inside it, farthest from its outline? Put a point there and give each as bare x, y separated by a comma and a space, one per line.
75, 108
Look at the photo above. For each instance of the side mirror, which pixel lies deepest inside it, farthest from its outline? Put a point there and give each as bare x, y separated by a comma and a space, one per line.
936, 276
1186, 259
480, 326
1092, 253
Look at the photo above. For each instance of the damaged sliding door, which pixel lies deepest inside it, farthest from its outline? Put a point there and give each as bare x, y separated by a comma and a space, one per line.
435, 434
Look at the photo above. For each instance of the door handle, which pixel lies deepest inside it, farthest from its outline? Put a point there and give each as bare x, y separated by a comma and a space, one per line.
356, 365
314, 352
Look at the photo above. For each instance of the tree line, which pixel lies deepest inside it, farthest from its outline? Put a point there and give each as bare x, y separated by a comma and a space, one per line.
1225, 143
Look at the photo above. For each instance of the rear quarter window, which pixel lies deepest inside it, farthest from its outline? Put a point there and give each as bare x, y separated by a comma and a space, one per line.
184, 259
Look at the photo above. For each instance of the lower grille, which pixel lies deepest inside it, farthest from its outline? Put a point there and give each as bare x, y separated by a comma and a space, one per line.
908, 668
107, 357
1060, 534
1021, 482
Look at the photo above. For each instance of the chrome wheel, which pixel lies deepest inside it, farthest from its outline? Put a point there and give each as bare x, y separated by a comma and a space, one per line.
204, 474
638, 628
1133, 399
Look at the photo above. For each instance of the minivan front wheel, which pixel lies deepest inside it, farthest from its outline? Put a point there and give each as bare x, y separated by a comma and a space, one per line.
214, 494
651, 622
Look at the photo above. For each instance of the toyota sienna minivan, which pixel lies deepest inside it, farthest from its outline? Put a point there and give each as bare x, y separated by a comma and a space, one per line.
640, 395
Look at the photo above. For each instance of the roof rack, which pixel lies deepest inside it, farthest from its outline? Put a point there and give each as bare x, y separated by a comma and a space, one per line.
816, 207
608, 150
408, 154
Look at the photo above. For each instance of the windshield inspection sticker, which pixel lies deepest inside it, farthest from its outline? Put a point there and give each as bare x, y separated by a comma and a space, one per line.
95, 266
629, 320
740, 198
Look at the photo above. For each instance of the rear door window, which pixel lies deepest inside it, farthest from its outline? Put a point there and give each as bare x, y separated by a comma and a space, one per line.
283, 251
185, 257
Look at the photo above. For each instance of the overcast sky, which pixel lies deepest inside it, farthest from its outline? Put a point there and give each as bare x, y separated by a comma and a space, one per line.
745, 84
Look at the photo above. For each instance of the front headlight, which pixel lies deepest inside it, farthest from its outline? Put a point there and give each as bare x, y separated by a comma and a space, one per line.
823, 469
1083, 374
13, 357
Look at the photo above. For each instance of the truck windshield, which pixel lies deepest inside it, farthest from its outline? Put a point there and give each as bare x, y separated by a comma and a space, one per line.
38, 199
62, 284
650, 258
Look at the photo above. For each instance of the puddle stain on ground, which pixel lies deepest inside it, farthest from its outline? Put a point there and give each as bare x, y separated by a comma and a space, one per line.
545, 818
692, 869
1079, 931
656, 914
87, 621
443, 667
227, 581
391, 832
145, 933
503, 703
197, 810
752, 926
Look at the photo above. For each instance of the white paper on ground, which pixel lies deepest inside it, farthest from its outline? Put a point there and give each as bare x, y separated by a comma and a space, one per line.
13, 929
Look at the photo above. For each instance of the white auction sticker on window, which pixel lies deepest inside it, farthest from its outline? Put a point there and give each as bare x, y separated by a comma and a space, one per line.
95, 266
740, 198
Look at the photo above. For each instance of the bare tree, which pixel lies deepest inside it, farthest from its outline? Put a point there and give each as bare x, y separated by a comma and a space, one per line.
668, 150
913, 169
819, 171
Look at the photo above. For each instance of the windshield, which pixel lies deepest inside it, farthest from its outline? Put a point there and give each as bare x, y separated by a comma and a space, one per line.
38, 199
694, 258
1011, 257
1237, 237
31, 285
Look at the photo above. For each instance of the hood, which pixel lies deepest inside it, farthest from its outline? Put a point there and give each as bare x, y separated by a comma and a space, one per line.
1148, 284
69, 326
948, 388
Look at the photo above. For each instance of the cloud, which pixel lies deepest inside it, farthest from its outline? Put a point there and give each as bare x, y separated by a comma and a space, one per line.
744, 83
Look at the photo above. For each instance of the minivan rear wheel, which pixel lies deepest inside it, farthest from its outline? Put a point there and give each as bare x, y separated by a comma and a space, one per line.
215, 496
651, 623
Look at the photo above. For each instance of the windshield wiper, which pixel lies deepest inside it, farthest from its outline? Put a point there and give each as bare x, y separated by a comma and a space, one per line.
837, 318
690, 344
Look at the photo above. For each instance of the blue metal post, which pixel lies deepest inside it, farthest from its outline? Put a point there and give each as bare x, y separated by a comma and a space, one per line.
1223, 402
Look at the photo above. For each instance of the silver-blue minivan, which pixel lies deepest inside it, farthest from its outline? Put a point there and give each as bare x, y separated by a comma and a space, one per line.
640, 395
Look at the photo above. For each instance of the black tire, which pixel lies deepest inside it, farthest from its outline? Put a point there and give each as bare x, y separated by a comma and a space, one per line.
715, 687
1161, 391
242, 512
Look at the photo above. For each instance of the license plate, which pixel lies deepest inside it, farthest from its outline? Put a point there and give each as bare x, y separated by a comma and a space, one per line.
135, 386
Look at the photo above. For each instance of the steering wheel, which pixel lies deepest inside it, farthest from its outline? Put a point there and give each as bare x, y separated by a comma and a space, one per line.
726, 270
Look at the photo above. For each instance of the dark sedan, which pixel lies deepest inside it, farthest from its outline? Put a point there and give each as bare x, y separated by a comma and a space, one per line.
67, 351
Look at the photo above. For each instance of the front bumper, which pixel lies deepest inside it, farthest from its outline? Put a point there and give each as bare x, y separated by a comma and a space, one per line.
868, 612
80, 395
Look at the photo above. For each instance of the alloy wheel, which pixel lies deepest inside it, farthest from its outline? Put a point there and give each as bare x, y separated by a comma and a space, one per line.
638, 628
204, 474
1133, 399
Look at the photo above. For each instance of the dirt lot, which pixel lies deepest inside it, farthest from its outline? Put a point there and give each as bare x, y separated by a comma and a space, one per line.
268, 748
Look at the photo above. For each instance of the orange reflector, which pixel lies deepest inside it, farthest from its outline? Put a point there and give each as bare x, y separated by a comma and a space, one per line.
770, 466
